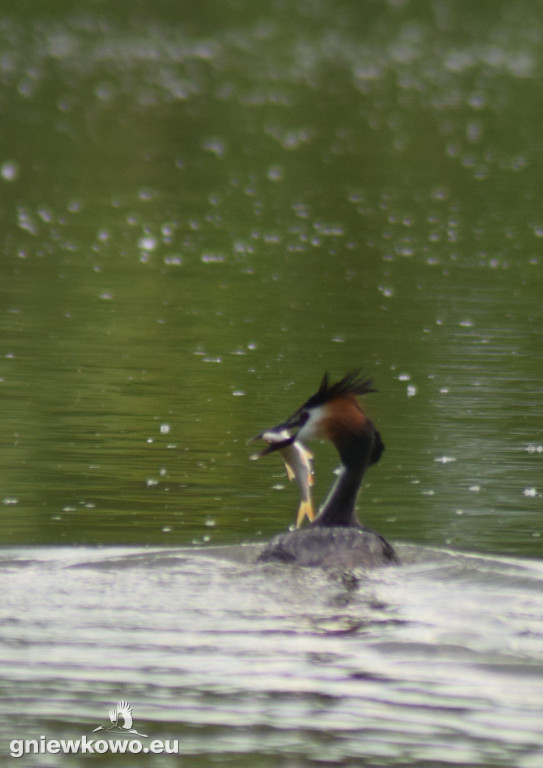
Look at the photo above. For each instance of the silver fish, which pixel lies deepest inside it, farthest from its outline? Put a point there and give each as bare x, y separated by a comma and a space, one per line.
298, 463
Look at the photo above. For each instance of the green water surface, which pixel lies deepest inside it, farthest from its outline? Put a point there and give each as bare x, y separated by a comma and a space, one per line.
204, 206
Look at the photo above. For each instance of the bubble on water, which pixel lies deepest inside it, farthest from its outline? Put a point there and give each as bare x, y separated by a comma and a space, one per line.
45, 214
215, 145
74, 206
103, 91
329, 230
165, 429
147, 194
168, 229
174, 260
25, 221
386, 290
276, 173
212, 258
530, 493
148, 243
9, 170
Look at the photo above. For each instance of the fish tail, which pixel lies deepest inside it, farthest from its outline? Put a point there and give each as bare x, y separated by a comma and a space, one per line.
305, 508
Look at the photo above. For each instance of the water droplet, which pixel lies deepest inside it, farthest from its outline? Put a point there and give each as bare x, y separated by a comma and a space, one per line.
174, 260
9, 170
215, 145
148, 243
387, 291
212, 258
276, 173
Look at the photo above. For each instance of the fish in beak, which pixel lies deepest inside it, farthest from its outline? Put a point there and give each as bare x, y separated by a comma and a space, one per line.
280, 437
298, 463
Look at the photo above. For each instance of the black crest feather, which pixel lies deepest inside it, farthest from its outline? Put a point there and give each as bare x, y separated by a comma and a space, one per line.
352, 383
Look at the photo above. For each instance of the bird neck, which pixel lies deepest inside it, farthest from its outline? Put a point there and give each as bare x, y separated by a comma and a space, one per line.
359, 445
339, 507
358, 450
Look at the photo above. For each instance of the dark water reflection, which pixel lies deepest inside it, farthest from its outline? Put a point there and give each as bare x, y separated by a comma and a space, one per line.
202, 211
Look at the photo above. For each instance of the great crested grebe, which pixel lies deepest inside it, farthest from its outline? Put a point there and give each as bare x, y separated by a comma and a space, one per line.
335, 538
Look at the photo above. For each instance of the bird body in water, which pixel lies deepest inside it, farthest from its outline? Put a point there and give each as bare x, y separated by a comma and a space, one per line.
335, 538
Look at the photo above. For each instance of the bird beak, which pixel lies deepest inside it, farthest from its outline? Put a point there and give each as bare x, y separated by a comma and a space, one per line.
293, 423
271, 447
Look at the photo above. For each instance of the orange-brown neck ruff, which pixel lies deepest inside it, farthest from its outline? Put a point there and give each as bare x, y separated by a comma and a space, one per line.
359, 445
348, 428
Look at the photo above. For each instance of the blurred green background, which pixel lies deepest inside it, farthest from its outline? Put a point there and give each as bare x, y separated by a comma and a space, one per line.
205, 206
